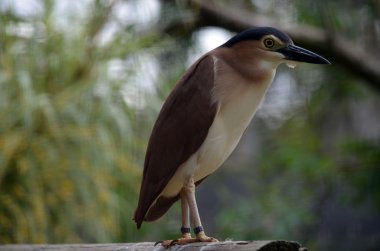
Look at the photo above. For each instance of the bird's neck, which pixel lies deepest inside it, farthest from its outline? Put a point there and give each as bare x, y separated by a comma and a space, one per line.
246, 65
238, 81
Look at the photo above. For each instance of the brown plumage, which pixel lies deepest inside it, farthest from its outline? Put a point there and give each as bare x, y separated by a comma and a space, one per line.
179, 131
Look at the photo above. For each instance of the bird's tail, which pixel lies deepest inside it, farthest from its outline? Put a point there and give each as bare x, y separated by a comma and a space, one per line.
155, 212
137, 218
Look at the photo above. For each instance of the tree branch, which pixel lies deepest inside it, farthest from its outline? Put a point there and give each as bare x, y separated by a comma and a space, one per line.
149, 246
333, 46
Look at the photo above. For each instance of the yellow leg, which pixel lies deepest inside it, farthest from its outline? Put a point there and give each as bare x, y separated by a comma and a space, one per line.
189, 208
188, 192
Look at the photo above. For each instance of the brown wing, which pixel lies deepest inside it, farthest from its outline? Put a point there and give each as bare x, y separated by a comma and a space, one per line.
179, 131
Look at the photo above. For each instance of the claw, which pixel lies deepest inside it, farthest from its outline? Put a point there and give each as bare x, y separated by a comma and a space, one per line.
168, 243
173, 242
207, 239
202, 237
158, 242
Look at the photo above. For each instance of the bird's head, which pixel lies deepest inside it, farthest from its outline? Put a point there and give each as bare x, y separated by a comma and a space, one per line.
270, 44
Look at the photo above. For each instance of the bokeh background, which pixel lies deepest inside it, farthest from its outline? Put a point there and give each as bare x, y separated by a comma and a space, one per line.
81, 83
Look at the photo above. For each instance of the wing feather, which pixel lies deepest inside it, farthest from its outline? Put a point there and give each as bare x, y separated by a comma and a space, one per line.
180, 129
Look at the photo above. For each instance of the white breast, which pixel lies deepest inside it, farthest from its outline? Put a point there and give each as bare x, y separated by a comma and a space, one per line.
229, 125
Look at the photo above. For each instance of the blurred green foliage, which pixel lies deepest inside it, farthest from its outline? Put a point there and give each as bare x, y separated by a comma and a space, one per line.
75, 119
66, 133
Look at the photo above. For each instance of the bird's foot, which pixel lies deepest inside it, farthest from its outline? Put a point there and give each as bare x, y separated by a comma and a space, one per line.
180, 241
201, 237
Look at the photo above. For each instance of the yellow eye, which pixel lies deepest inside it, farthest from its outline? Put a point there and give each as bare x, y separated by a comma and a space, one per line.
269, 42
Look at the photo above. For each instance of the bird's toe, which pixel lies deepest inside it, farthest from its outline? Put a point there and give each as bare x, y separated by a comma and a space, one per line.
167, 243
207, 239
180, 241
202, 237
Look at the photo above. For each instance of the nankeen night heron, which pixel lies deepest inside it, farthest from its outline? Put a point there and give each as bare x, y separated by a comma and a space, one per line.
203, 119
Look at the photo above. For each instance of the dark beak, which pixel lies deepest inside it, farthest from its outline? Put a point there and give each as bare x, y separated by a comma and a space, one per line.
295, 53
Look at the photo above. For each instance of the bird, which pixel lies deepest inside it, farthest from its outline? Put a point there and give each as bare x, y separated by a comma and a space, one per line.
203, 119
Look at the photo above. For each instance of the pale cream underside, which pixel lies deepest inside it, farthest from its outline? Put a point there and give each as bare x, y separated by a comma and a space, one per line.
237, 104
